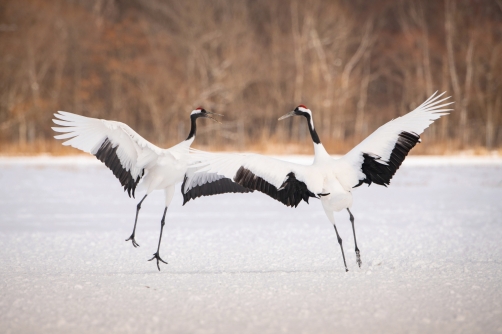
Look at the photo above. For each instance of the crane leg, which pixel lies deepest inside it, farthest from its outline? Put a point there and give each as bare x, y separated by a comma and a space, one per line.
341, 247
156, 255
329, 213
358, 256
138, 207
169, 193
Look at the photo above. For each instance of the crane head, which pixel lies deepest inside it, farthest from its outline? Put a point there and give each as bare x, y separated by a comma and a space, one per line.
301, 110
201, 112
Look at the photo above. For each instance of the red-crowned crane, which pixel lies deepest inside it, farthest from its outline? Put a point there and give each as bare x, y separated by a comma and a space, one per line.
134, 160
374, 160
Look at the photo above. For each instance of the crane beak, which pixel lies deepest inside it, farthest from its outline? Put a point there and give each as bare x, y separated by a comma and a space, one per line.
289, 114
209, 113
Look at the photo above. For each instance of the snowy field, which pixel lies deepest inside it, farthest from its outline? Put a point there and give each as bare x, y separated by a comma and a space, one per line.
431, 246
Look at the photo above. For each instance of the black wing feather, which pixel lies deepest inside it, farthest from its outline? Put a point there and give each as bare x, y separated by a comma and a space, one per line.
290, 193
108, 155
381, 173
221, 186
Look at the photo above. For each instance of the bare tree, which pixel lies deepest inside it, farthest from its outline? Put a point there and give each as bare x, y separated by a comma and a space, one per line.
149, 62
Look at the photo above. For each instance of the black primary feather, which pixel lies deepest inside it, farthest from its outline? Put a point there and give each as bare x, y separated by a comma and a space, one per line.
291, 192
108, 155
220, 186
381, 173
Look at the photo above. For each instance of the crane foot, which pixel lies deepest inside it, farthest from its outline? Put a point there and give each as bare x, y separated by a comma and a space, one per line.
134, 243
157, 256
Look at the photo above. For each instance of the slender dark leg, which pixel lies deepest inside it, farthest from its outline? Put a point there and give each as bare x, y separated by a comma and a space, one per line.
134, 243
358, 256
341, 247
156, 255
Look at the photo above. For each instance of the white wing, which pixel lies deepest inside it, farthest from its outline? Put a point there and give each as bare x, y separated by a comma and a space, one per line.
122, 150
377, 157
284, 181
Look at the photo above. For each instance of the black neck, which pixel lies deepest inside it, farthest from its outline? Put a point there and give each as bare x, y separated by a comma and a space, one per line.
313, 134
193, 127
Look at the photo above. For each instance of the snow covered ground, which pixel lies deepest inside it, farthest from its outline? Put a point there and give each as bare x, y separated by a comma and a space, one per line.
431, 246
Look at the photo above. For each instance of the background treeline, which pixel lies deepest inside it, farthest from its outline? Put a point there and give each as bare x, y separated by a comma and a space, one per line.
355, 63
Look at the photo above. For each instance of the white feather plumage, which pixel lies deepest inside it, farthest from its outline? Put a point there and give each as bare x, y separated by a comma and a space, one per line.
138, 159
332, 180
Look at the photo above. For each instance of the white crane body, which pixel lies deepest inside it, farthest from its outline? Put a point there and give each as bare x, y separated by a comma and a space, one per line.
374, 160
137, 163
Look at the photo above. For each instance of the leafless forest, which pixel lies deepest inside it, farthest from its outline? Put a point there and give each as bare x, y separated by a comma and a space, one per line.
355, 63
